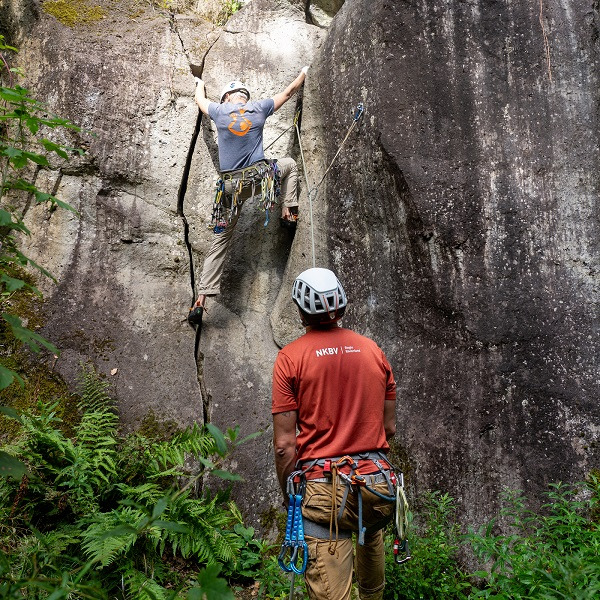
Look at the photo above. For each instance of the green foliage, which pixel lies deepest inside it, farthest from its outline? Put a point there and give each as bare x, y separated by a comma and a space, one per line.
257, 561
433, 573
24, 150
551, 555
98, 513
227, 10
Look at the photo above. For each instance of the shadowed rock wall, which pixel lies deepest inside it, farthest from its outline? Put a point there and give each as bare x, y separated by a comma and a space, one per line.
464, 222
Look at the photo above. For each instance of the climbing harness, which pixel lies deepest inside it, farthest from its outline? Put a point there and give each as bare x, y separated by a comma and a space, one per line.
312, 193
356, 483
294, 543
263, 175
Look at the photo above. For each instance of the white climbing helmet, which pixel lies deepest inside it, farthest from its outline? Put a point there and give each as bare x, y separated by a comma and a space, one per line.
234, 86
319, 295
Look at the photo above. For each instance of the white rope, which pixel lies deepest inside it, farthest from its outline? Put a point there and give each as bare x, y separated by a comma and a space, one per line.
357, 116
312, 229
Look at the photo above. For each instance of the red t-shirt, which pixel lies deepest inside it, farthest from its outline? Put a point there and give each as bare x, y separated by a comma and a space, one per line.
337, 381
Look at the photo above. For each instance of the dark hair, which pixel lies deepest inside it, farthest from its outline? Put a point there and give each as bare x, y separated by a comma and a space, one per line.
321, 319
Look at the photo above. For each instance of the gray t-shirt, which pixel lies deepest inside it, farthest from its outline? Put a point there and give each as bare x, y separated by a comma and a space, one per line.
240, 131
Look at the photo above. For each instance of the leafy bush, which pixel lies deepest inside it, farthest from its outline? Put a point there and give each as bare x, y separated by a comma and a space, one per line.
551, 555
23, 151
99, 515
433, 572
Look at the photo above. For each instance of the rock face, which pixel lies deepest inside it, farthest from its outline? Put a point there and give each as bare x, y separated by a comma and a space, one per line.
463, 220
461, 216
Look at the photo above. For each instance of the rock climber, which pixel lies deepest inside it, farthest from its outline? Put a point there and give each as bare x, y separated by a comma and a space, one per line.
336, 388
243, 170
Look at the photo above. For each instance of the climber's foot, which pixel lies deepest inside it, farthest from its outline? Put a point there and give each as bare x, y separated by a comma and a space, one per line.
289, 216
197, 310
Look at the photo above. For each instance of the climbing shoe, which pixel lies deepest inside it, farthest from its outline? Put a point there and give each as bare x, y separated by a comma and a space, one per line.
291, 219
195, 316
290, 222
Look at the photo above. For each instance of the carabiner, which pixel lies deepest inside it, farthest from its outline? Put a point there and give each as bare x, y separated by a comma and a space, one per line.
288, 568
359, 111
401, 549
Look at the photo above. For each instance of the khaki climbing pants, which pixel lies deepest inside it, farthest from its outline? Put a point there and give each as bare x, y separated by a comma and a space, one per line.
329, 576
214, 262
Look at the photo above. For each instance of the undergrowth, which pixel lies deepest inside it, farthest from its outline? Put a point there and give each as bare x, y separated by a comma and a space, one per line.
547, 555
100, 515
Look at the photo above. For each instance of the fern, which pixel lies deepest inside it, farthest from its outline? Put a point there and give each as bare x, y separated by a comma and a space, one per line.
141, 587
110, 535
164, 457
211, 537
111, 507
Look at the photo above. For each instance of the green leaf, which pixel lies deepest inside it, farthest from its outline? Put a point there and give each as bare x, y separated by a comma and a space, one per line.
33, 124
41, 197
28, 337
210, 586
219, 438
51, 146
7, 376
5, 218
171, 526
11, 466
481, 574
11, 413
118, 531
206, 463
12, 152
227, 475
10, 95
38, 159
249, 437
160, 507
11, 284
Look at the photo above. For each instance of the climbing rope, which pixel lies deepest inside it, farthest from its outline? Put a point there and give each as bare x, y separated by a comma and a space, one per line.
358, 113
296, 117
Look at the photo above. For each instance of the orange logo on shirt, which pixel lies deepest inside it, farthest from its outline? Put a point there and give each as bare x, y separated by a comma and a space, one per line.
243, 126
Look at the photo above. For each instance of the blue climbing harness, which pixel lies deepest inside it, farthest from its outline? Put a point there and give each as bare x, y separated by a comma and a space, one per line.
294, 543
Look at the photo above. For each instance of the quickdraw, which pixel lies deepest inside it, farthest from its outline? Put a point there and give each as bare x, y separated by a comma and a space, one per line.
294, 543
358, 112
226, 204
400, 547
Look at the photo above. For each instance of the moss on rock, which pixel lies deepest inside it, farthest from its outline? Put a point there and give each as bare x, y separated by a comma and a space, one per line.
74, 12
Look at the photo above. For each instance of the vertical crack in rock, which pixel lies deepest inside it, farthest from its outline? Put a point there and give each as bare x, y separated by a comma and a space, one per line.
196, 71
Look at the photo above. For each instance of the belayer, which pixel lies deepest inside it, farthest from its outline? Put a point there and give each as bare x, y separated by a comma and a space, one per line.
244, 172
333, 409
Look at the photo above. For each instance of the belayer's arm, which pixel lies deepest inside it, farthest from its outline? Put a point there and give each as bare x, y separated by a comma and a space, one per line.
284, 445
389, 418
281, 98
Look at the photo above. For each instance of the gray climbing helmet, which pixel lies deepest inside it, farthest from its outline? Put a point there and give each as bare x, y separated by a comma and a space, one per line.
234, 86
319, 295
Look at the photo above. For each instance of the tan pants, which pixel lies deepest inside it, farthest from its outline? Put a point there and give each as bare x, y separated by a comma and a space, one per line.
214, 262
329, 577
